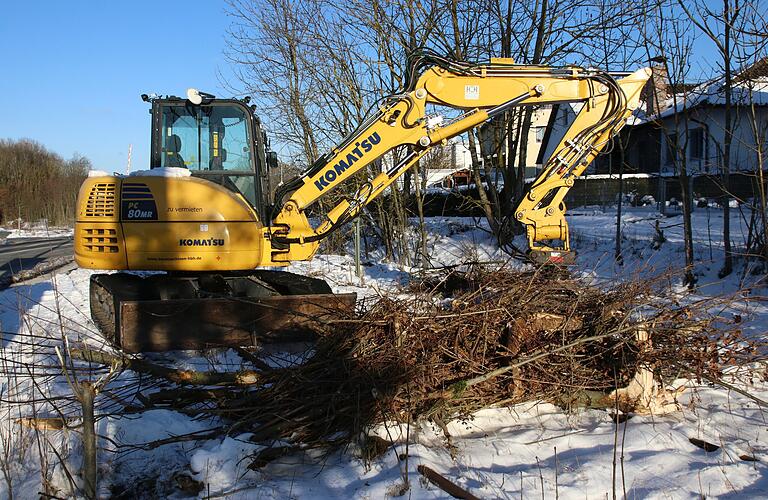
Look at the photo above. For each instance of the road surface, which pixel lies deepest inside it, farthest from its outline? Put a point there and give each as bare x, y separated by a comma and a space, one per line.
25, 253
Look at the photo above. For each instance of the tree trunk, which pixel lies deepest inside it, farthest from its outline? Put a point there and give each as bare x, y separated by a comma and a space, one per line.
485, 204
89, 472
422, 253
726, 173
685, 194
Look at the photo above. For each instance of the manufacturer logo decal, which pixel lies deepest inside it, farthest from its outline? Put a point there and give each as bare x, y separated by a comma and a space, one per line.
137, 202
356, 154
196, 242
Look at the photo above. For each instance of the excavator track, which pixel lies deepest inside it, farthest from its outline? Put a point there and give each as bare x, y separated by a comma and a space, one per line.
161, 312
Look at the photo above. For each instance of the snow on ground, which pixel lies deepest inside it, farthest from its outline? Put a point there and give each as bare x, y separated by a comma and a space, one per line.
38, 232
533, 450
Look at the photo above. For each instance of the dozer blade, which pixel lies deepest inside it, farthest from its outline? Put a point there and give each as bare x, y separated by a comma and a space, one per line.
161, 313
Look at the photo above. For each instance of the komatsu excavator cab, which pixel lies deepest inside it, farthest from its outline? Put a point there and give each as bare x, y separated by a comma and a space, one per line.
219, 140
200, 207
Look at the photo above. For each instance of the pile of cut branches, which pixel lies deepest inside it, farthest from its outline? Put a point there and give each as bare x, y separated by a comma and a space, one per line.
458, 342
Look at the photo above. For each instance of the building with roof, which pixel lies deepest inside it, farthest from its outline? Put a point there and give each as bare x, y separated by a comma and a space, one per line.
678, 126
689, 126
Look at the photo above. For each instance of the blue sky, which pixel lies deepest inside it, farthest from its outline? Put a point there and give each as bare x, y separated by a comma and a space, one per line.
71, 72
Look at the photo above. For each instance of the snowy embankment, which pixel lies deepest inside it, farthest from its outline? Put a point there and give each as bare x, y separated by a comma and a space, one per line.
531, 450
39, 232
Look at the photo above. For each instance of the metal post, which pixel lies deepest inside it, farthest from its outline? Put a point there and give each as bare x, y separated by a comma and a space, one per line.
358, 269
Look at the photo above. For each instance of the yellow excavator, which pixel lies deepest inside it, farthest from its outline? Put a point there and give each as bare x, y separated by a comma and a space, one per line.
201, 212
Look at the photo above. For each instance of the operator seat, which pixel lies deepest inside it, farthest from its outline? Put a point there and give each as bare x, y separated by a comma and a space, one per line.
172, 148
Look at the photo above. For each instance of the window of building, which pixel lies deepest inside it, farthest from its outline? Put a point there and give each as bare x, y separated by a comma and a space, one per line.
671, 154
539, 133
696, 143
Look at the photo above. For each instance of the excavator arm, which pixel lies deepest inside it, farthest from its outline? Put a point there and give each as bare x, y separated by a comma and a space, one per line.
481, 92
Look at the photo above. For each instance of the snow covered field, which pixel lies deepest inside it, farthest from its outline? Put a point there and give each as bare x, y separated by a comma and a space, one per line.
535, 450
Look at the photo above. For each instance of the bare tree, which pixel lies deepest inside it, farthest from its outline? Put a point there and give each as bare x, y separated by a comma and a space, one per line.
38, 184
269, 48
619, 45
669, 44
330, 63
751, 81
535, 32
757, 243
722, 28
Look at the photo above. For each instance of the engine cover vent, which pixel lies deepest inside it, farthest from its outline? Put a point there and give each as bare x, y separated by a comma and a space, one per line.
101, 200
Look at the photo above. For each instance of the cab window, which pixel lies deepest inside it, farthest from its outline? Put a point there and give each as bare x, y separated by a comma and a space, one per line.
205, 138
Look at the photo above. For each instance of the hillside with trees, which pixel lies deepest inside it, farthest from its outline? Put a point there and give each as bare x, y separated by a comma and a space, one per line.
36, 183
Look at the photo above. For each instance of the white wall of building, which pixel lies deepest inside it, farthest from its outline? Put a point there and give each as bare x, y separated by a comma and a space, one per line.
710, 121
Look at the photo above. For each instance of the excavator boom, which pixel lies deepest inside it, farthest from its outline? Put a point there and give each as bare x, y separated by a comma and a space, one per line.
482, 92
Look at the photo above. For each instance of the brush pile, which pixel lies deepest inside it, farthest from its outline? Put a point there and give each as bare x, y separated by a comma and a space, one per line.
458, 342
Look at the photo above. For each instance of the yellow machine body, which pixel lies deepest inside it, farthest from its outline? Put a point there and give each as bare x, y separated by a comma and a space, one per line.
169, 224
195, 224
